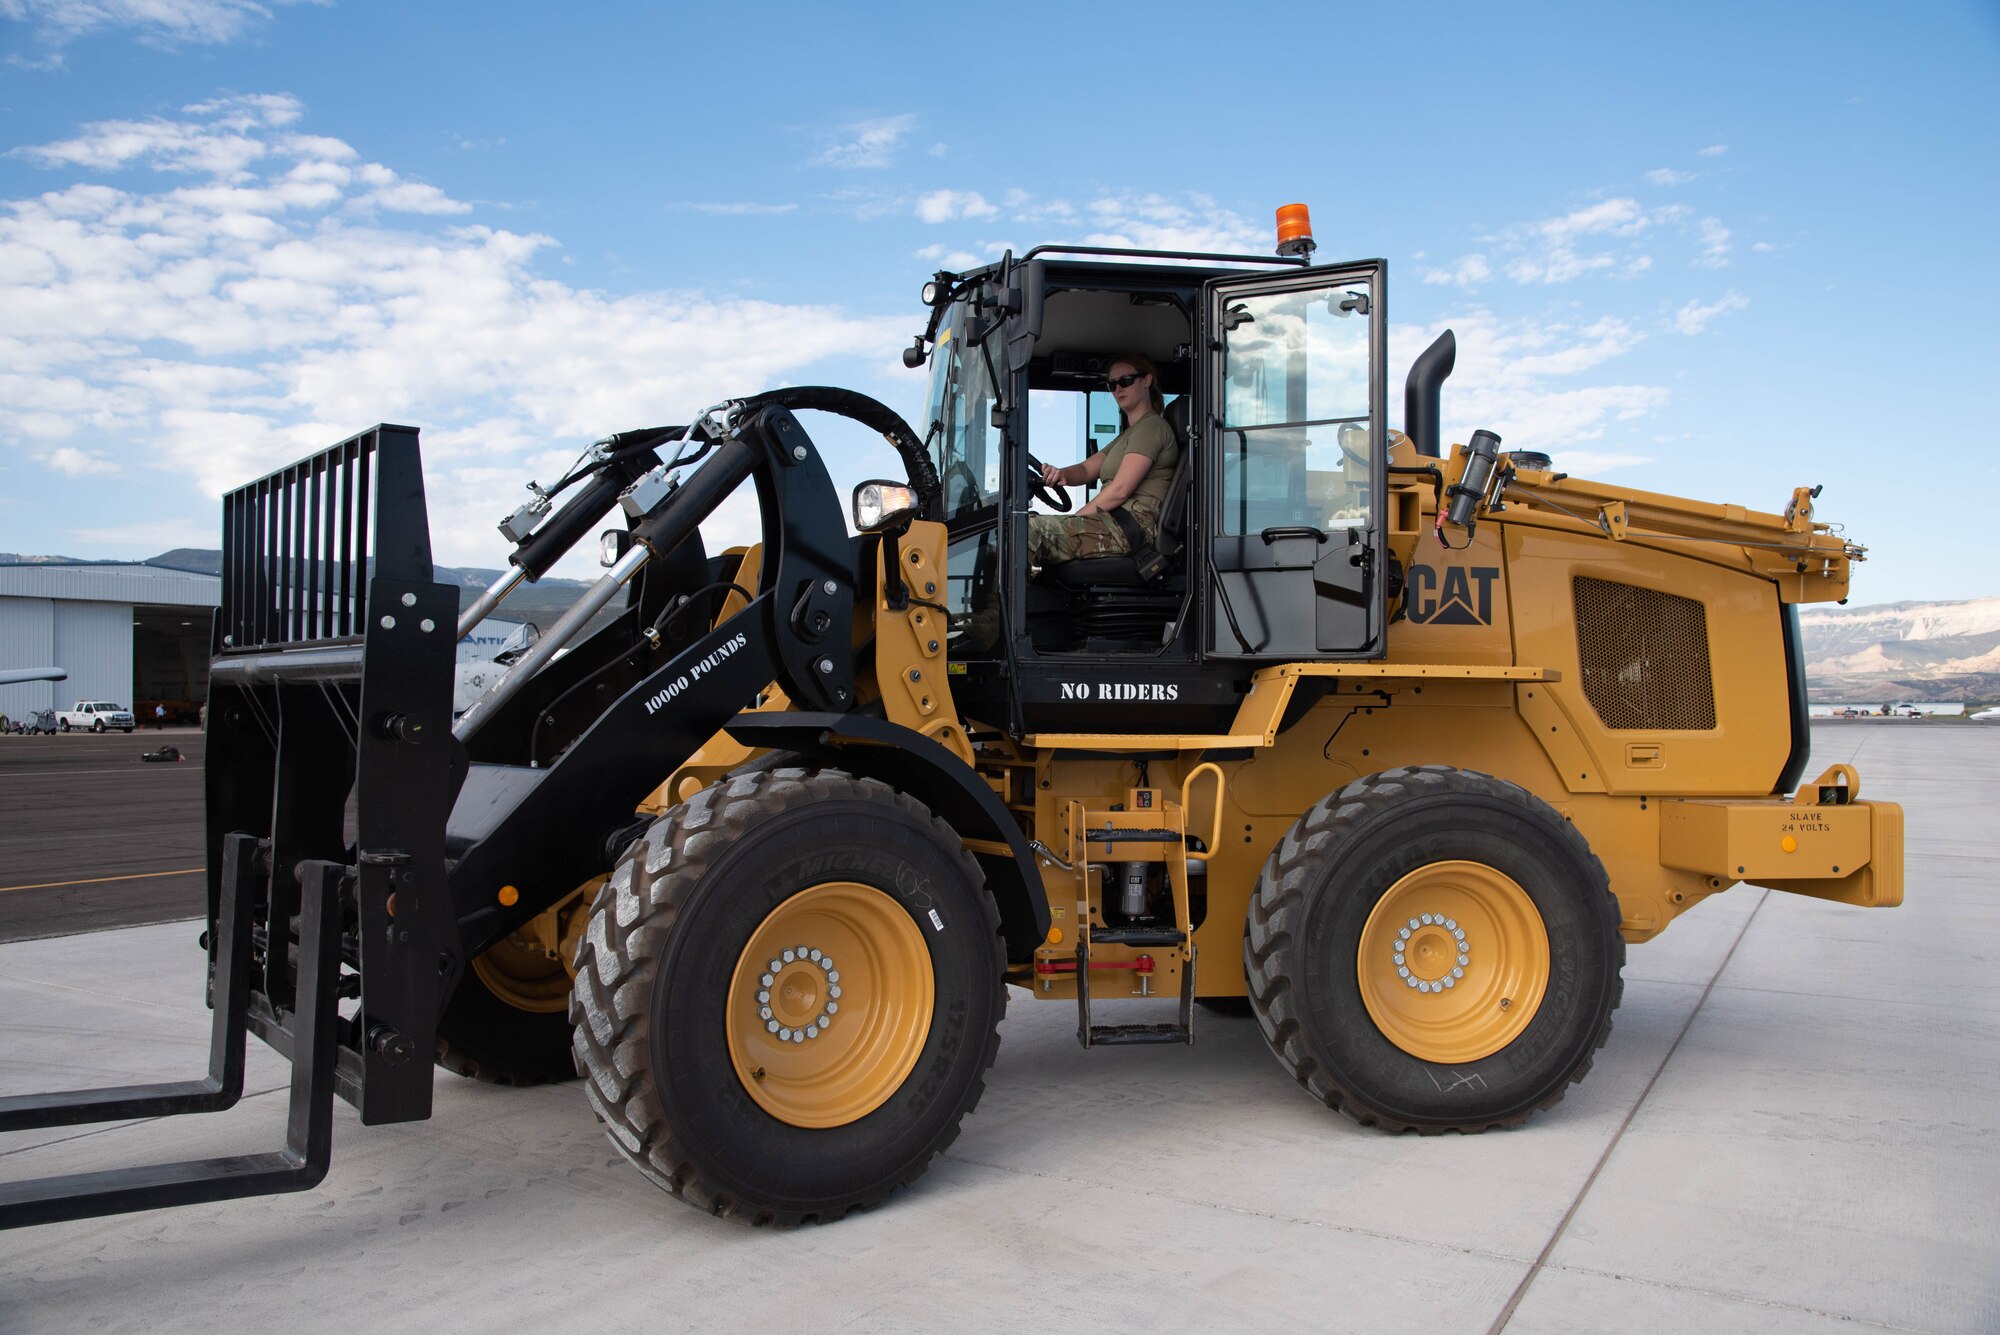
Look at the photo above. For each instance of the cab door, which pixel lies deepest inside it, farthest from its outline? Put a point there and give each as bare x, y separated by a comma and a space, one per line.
1294, 476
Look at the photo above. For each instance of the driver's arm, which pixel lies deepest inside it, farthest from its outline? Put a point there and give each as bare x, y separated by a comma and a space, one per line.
1132, 470
1076, 474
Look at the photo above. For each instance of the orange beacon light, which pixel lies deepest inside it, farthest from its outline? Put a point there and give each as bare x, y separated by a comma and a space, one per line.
1295, 230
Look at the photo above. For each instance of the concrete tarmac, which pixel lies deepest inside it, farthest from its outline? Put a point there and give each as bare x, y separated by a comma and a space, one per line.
1791, 1130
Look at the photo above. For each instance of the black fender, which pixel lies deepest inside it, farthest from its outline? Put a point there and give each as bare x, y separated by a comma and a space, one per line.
912, 763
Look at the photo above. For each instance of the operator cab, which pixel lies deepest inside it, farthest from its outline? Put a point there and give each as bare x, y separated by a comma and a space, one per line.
1270, 544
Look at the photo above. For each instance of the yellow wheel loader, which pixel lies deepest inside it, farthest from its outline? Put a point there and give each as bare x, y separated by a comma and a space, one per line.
1394, 748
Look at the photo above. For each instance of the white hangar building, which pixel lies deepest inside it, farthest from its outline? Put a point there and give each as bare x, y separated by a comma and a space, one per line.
135, 634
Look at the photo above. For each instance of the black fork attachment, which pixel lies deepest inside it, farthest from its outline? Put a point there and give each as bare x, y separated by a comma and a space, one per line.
330, 777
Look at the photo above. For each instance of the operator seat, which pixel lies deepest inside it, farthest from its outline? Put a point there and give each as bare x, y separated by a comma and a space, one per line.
1133, 597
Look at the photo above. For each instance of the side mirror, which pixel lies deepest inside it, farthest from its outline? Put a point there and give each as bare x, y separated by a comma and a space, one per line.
880, 503
612, 544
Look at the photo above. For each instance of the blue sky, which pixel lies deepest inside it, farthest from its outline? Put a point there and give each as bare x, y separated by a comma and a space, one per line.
1719, 250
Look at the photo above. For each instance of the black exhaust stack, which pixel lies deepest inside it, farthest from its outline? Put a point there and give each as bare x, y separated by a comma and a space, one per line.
1420, 393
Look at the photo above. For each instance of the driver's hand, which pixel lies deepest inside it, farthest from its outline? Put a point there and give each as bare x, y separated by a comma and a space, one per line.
1051, 475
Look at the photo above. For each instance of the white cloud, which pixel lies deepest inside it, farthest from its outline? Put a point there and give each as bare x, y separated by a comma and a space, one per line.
946, 205
238, 310
1156, 222
1605, 239
80, 463
955, 260
167, 23
1468, 272
1714, 244
249, 110
868, 143
1518, 378
1694, 317
1668, 176
1714, 151
1026, 208
740, 210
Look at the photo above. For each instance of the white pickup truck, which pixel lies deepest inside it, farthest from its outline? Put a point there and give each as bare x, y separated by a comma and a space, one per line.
96, 715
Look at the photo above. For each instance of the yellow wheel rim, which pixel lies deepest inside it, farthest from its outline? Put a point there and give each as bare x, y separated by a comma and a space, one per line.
534, 968
830, 1005
1453, 962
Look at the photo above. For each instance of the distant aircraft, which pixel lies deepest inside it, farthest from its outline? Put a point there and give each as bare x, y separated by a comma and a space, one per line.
1987, 716
15, 676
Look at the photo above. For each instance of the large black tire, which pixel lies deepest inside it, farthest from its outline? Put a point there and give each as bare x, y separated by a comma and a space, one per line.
482, 1036
1333, 1013
507, 1022
62, 725
674, 1070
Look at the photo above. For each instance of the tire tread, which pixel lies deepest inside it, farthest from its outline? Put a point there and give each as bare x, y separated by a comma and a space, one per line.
1279, 901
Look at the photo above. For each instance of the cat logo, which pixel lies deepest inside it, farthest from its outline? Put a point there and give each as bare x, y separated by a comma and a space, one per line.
1455, 596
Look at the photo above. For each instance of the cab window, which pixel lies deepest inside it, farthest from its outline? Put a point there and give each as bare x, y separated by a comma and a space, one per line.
1294, 441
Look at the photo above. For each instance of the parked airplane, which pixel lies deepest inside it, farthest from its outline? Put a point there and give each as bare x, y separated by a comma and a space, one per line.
1987, 716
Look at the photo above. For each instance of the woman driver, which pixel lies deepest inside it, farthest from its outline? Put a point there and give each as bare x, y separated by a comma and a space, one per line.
1135, 470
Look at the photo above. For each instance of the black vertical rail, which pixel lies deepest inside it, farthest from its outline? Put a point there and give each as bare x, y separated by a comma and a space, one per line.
363, 508
348, 457
267, 606
297, 553
314, 627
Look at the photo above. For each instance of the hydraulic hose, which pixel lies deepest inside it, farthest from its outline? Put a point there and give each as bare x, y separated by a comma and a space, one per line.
877, 416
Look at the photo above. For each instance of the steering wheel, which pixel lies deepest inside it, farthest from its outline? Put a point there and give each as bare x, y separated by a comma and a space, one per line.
1056, 498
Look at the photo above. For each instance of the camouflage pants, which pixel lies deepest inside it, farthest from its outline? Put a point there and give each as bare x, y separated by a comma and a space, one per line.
1055, 538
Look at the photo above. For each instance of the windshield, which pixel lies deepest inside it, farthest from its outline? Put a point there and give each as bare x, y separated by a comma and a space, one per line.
959, 421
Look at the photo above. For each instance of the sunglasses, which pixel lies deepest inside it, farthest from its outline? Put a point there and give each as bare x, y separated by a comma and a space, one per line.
1124, 381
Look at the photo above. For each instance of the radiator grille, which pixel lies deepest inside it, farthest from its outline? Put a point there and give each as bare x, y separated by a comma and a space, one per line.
1645, 657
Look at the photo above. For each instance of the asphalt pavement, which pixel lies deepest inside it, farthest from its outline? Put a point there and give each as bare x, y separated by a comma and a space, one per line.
92, 837
1792, 1129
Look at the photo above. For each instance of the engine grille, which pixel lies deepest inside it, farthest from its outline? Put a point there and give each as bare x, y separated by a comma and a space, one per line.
1645, 657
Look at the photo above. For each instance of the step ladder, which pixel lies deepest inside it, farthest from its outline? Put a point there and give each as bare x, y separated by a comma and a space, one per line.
1151, 828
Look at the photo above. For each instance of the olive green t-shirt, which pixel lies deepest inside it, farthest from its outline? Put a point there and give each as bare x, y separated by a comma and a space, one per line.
1152, 437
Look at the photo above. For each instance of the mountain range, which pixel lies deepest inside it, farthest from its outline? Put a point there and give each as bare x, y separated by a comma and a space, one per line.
1942, 651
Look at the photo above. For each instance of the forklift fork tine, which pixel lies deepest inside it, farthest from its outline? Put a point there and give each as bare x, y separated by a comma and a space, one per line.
309, 1128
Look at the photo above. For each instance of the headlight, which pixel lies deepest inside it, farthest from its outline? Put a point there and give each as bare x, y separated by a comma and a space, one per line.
879, 502
931, 293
